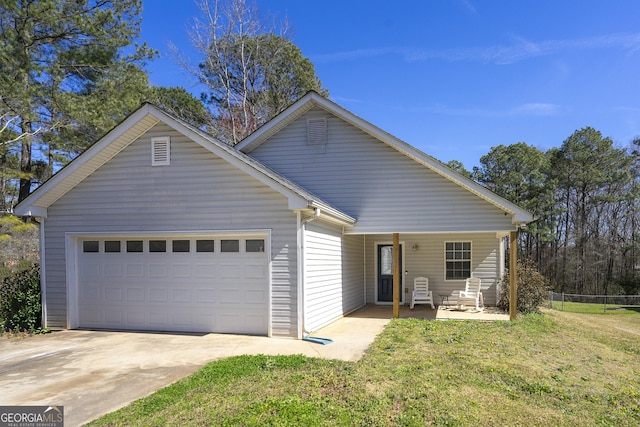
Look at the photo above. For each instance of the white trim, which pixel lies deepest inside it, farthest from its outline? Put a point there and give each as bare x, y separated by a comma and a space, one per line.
444, 259
71, 256
43, 274
300, 309
376, 267
267, 249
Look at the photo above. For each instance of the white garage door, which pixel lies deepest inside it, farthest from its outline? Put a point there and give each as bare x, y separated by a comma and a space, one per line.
184, 283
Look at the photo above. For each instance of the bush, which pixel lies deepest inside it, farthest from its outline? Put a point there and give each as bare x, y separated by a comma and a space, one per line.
20, 302
533, 288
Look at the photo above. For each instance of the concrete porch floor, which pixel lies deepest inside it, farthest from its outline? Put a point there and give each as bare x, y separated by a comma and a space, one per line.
424, 311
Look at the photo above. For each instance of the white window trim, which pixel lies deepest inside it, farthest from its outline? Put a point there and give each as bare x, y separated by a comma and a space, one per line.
470, 259
161, 151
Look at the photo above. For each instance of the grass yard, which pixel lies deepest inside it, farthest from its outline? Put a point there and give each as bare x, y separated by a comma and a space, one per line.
560, 369
593, 308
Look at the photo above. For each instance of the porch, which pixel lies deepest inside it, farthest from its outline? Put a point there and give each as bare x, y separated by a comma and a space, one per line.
424, 311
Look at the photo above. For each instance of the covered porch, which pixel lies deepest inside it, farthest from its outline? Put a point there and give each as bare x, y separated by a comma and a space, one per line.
372, 311
394, 260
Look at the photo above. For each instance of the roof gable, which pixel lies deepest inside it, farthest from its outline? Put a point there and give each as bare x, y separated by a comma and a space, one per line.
136, 125
312, 99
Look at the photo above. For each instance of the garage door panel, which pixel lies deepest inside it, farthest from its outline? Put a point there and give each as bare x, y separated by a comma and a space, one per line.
205, 271
113, 295
205, 295
134, 270
89, 270
180, 271
136, 318
114, 316
112, 270
157, 270
166, 291
255, 271
135, 295
256, 297
91, 313
159, 295
180, 295
229, 270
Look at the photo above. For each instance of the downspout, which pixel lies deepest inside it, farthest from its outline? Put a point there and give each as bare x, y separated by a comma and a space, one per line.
302, 302
43, 275
316, 215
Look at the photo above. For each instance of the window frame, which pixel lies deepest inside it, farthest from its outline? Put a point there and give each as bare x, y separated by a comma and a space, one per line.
462, 252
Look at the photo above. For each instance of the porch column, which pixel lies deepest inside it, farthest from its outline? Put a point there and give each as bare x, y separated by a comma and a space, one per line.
513, 275
396, 275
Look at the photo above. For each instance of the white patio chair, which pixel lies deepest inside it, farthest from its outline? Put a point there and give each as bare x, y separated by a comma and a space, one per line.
472, 293
421, 293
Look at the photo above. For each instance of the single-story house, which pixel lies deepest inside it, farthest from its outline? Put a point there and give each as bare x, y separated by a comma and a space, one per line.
159, 226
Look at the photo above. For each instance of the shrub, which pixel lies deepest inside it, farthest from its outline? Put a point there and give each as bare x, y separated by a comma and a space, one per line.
533, 288
20, 302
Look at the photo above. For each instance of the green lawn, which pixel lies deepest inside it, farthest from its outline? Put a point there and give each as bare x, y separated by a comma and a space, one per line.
559, 369
596, 308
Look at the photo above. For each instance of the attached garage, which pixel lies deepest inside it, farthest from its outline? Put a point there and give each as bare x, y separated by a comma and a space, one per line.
189, 283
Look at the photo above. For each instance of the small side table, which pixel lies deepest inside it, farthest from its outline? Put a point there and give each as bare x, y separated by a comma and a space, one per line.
444, 298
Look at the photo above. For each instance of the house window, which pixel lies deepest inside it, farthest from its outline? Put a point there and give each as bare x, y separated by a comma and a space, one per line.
90, 246
229, 246
134, 245
256, 245
457, 260
112, 246
160, 151
180, 245
157, 246
205, 246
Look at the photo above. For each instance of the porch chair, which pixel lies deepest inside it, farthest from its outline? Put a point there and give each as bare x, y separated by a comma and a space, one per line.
421, 293
472, 293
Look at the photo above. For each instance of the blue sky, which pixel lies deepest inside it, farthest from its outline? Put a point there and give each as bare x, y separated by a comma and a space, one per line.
454, 77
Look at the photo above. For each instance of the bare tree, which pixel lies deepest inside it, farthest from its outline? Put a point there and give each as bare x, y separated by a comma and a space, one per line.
252, 71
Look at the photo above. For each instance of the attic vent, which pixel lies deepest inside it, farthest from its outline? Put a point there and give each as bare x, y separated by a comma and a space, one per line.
160, 151
316, 131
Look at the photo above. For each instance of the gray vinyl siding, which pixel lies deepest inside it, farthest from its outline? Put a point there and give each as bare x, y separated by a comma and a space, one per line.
333, 284
197, 191
429, 260
383, 189
353, 267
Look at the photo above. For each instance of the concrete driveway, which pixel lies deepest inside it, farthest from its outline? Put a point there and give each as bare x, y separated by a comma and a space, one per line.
92, 373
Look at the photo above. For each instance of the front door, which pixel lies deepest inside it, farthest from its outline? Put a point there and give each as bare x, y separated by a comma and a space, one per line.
385, 273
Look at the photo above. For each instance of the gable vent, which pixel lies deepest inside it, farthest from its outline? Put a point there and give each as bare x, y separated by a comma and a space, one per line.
160, 151
316, 131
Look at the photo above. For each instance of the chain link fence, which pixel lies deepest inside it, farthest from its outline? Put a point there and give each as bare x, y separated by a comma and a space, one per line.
593, 303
